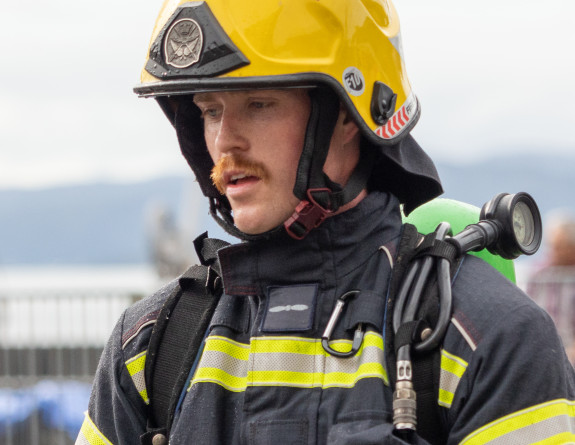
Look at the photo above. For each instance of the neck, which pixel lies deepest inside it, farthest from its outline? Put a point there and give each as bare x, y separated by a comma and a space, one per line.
355, 201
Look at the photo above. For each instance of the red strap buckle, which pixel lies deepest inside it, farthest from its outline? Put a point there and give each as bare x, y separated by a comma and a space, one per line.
307, 216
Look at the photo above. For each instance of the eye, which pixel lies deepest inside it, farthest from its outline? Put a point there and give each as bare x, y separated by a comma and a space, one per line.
260, 104
209, 112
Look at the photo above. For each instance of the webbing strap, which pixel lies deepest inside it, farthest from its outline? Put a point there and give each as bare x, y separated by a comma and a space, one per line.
406, 334
426, 369
207, 250
437, 248
176, 338
178, 334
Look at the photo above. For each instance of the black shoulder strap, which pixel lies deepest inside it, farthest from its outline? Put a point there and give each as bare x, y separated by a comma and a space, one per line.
405, 253
178, 335
426, 366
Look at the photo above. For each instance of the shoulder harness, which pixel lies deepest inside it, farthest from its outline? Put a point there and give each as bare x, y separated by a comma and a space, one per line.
173, 346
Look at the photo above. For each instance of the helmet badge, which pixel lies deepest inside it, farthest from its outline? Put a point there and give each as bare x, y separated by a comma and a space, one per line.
192, 44
353, 81
183, 43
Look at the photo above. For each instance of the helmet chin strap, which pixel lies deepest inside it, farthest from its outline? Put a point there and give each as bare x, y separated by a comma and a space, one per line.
311, 212
320, 197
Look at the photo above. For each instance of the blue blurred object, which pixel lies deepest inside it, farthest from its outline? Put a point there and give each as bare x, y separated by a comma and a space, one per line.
61, 405
16, 405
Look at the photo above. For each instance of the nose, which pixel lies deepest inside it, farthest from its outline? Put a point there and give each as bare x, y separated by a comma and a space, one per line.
231, 133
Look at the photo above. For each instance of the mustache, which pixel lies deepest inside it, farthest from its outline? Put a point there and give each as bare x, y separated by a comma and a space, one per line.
235, 163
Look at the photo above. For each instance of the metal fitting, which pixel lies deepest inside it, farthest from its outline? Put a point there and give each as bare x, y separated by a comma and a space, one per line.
404, 406
159, 439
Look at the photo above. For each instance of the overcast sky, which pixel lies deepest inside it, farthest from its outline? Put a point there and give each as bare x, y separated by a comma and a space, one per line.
492, 76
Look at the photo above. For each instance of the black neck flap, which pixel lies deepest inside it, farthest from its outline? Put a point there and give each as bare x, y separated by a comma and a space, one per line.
319, 195
323, 117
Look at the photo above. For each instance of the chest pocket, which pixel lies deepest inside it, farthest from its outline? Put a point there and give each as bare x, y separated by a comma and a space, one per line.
290, 308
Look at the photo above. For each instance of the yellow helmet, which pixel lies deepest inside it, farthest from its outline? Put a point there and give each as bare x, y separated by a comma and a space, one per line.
353, 46
346, 51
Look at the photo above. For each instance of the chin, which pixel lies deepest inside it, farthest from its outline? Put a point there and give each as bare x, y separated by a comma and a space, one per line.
250, 228
260, 221
259, 228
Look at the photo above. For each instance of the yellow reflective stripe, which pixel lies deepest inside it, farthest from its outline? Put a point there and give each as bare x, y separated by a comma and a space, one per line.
310, 346
287, 361
135, 367
224, 362
90, 435
137, 363
452, 369
548, 423
453, 364
315, 379
232, 348
220, 377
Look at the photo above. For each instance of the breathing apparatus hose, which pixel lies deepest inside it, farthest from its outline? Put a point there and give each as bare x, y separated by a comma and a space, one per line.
509, 226
405, 313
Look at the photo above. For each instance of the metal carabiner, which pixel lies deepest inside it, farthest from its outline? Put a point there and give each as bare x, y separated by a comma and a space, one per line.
357, 336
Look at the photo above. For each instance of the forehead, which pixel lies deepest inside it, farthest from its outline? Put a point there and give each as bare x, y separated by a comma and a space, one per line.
277, 93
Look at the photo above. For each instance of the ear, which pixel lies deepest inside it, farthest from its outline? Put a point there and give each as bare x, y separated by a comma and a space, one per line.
349, 127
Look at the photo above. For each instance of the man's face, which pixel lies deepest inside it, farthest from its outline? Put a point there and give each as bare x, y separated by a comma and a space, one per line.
255, 139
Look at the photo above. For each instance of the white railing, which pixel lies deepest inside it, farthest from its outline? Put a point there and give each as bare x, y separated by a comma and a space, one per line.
68, 318
50, 344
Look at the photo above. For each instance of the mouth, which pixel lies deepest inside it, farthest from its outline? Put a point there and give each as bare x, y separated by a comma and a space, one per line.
235, 181
235, 174
237, 184
240, 178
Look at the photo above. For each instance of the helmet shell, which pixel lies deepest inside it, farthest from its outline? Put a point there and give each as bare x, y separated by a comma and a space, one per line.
354, 46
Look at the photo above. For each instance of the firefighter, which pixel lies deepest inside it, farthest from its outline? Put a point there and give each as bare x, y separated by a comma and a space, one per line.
295, 118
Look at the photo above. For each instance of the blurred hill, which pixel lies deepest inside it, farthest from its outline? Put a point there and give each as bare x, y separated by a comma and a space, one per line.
84, 224
109, 223
550, 180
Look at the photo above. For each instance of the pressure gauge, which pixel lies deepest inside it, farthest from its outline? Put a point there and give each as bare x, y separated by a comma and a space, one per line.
509, 226
520, 222
523, 224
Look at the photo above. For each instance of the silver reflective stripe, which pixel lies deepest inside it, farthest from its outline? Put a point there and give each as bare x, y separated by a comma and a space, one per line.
220, 360
449, 382
312, 363
81, 440
452, 370
550, 423
288, 361
540, 431
135, 367
90, 434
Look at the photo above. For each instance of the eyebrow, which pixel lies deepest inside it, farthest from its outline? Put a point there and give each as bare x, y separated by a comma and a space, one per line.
202, 97
209, 95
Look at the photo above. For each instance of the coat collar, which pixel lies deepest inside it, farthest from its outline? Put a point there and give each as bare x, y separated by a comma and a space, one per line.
340, 244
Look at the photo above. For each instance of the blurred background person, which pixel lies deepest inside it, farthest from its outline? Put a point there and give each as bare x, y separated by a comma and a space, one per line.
552, 285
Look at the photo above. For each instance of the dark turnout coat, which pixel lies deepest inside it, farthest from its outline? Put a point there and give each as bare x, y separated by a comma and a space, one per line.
263, 376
